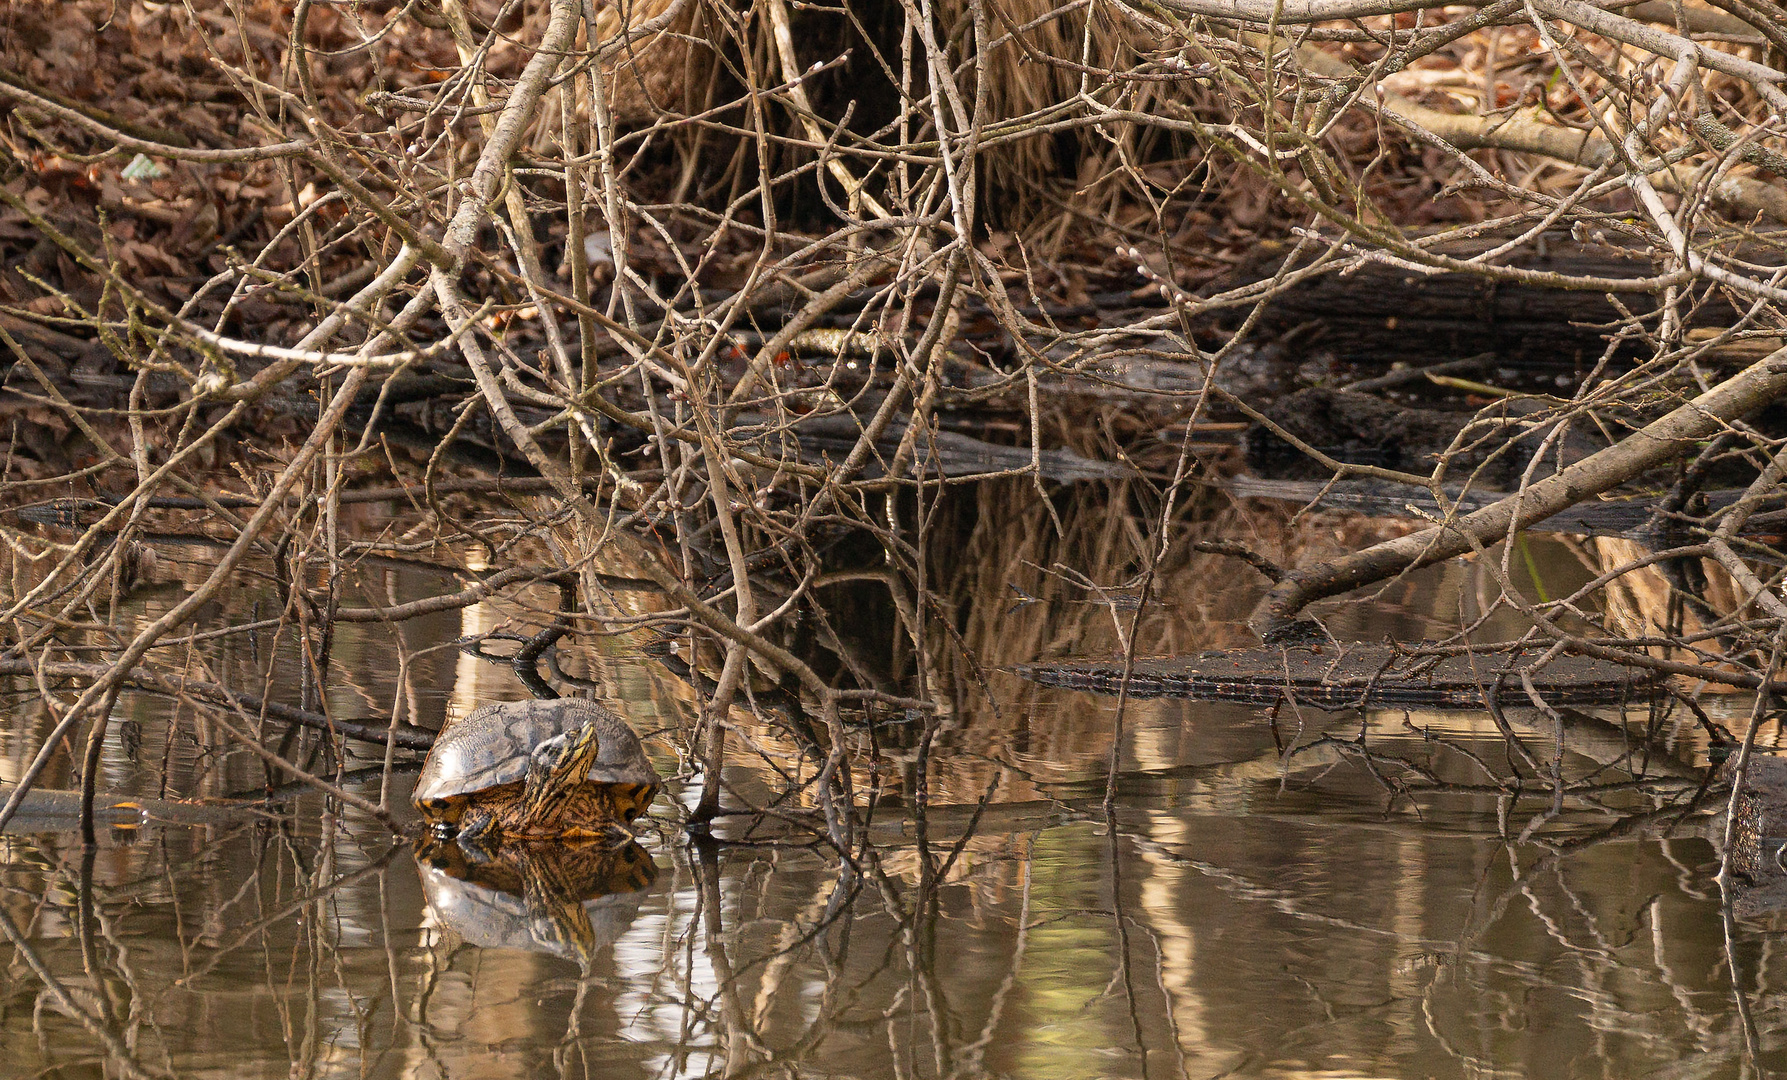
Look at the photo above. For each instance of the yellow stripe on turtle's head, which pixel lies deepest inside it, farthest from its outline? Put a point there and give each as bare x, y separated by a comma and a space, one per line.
556, 767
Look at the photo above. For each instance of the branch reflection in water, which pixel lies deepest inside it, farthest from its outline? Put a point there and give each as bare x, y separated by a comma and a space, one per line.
1254, 933
1392, 891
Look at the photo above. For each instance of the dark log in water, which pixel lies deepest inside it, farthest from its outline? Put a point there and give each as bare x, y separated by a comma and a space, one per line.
1636, 518
1382, 312
947, 454
45, 810
1761, 820
1353, 675
1758, 838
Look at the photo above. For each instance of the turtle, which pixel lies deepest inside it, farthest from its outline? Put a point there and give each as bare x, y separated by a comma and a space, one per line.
536, 770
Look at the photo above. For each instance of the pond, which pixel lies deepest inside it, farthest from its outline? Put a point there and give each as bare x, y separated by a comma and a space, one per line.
1274, 892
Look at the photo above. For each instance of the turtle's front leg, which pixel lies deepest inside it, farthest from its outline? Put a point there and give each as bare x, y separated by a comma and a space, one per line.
477, 827
480, 836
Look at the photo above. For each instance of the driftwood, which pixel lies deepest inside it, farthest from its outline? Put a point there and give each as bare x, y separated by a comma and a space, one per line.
1758, 837
948, 453
1384, 312
1494, 447
1641, 518
45, 810
1655, 444
1761, 826
1351, 676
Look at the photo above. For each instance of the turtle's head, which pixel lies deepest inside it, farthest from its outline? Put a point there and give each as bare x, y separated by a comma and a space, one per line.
558, 765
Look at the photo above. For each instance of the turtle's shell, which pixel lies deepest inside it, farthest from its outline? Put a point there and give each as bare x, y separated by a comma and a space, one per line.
489, 750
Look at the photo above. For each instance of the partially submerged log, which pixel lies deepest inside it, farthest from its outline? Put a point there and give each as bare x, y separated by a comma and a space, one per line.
45, 810
1353, 676
946, 454
1758, 837
1761, 828
1640, 518
1492, 447
1382, 311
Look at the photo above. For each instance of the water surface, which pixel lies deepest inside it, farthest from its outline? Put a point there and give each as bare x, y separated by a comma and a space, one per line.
1380, 902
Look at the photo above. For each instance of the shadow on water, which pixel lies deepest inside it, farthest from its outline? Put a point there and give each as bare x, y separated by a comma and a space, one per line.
1280, 890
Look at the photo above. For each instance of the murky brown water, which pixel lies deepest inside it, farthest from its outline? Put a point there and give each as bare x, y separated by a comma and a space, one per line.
1244, 913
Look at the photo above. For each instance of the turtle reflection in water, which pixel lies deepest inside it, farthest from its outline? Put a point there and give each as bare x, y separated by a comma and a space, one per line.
569, 900
536, 770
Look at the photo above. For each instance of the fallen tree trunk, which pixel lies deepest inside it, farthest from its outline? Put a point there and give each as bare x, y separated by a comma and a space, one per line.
402, 735
1382, 311
1653, 445
1354, 676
